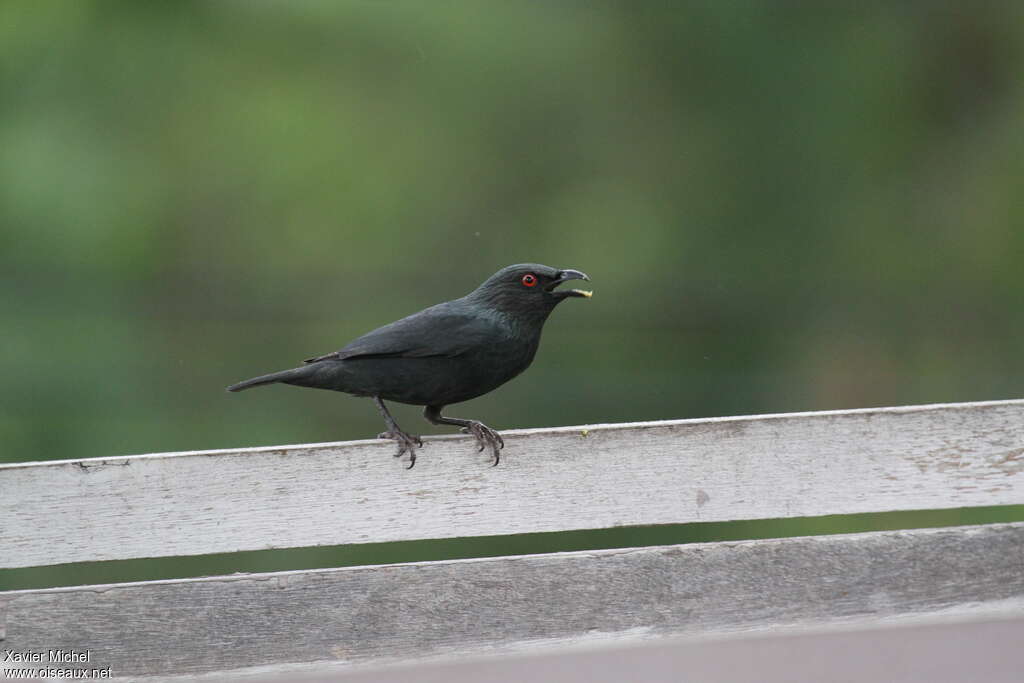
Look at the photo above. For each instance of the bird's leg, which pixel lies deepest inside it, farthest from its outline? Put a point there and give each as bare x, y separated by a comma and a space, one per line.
485, 436
407, 443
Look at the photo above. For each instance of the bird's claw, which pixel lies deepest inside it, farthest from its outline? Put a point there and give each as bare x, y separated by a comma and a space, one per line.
402, 435
485, 436
407, 443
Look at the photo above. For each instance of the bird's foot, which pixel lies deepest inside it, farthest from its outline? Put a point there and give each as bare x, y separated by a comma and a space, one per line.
407, 443
485, 436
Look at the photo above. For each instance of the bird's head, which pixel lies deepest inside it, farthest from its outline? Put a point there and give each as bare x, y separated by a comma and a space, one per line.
528, 288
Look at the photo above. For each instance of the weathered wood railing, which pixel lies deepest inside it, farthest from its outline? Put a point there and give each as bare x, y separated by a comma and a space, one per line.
594, 477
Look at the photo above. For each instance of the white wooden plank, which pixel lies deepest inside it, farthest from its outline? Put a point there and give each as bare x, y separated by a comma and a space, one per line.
976, 650
423, 611
599, 476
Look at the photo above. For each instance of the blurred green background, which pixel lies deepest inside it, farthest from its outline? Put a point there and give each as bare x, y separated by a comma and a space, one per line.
783, 207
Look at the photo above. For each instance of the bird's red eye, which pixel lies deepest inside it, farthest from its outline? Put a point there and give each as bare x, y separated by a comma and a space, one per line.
529, 280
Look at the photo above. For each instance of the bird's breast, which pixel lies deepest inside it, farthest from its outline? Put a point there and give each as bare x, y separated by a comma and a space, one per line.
494, 364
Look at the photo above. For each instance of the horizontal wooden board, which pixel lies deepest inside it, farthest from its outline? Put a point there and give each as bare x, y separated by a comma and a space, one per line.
925, 650
599, 476
426, 610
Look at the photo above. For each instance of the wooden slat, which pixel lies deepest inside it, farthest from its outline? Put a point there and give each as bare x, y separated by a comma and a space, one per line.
426, 610
770, 466
922, 651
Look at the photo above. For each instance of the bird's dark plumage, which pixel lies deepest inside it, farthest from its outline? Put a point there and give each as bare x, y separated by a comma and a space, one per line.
445, 354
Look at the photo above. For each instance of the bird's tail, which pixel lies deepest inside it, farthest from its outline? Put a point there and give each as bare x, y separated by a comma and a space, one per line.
272, 378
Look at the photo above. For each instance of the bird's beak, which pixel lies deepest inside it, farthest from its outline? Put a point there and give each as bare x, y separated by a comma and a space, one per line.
564, 276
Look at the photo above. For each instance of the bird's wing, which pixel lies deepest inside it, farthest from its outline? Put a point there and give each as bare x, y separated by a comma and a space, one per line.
441, 330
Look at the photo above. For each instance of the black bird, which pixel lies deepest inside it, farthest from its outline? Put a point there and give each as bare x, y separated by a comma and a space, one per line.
444, 354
